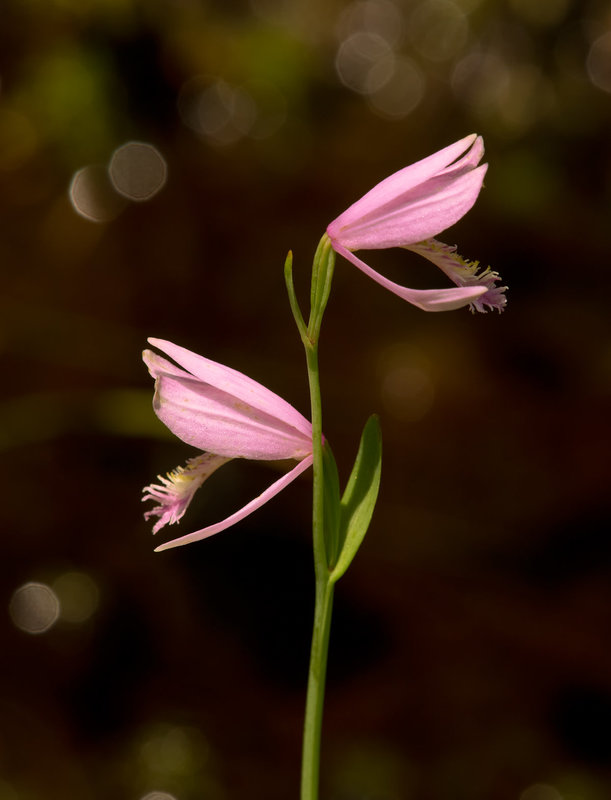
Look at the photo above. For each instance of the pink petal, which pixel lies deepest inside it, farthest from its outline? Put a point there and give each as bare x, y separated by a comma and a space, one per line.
213, 420
407, 178
270, 492
425, 299
158, 365
419, 213
470, 160
235, 383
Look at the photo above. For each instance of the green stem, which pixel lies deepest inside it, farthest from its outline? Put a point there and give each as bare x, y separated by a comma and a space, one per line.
324, 599
318, 531
316, 691
322, 275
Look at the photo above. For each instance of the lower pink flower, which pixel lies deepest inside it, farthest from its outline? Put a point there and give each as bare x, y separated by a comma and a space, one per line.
227, 415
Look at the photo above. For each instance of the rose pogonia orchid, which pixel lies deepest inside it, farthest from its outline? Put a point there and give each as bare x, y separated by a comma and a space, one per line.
227, 415
411, 207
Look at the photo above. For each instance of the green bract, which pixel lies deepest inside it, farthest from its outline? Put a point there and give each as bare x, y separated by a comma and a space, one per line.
360, 495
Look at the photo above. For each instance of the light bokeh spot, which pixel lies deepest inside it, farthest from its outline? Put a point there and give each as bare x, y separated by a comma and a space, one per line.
530, 95
34, 608
598, 63
380, 17
541, 791
158, 796
78, 596
93, 196
407, 393
138, 171
407, 387
224, 113
438, 29
171, 750
364, 62
479, 78
401, 92
515, 95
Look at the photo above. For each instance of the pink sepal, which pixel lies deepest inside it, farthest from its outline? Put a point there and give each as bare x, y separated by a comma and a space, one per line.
248, 509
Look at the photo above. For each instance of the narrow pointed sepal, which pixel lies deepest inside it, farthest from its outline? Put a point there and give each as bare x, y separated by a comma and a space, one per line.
244, 512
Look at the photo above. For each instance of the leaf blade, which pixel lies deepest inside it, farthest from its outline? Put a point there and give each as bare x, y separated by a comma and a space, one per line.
360, 496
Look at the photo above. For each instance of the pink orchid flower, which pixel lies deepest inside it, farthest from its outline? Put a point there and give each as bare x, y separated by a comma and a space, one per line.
411, 207
226, 415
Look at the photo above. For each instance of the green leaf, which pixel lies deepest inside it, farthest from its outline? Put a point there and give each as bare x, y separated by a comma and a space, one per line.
331, 504
360, 495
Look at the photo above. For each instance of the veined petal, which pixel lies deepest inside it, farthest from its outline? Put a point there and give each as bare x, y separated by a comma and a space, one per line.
464, 273
234, 383
270, 492
416, 214
175, 491
425, 299
407, 178
216, 421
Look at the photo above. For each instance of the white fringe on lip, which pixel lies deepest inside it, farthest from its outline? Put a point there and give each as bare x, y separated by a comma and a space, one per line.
464, 273
175, 490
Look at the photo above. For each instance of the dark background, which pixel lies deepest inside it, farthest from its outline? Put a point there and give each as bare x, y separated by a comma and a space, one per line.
470, 653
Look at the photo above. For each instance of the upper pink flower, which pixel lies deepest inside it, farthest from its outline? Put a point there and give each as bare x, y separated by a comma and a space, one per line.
227, 415
411, 207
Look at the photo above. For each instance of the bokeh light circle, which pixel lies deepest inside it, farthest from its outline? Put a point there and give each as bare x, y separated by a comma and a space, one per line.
438, 29
138, 171
158, 796
540, 791
223, 113
380, 17
34, 608
357, 56
598, 63
92, 195
401, 92
79, 596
